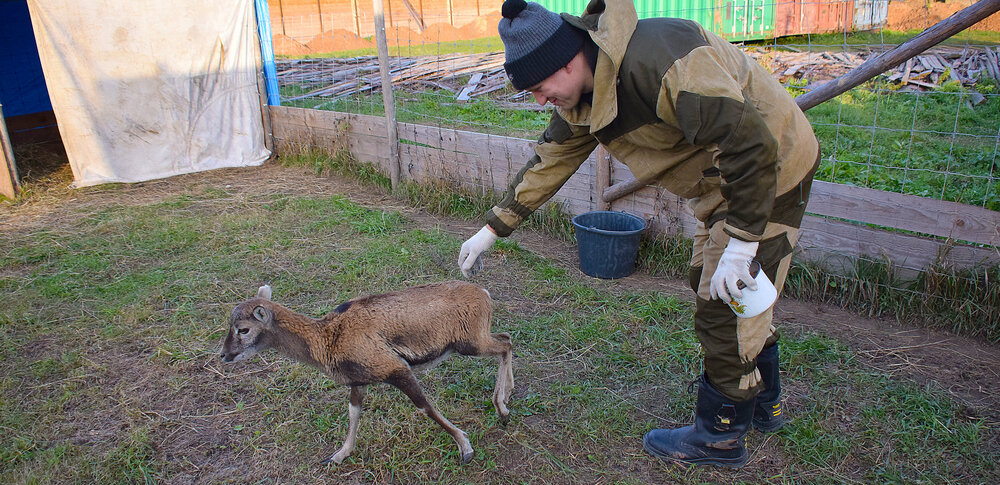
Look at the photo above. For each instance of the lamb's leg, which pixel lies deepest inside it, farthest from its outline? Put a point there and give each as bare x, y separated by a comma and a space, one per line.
505, 374
405, 381
354, 418
497, 344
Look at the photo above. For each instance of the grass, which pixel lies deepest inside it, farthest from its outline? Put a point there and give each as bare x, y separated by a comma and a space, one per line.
434, 108
966, 302
110, 321
932, 144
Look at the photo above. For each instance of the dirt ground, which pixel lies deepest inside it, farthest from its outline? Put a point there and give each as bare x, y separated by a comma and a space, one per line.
921, 14
969, 369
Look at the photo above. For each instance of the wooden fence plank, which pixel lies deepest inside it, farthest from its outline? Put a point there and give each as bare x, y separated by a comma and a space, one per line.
908, 212
829, 239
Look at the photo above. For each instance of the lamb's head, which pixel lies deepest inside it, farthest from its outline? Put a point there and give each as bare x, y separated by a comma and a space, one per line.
250, 326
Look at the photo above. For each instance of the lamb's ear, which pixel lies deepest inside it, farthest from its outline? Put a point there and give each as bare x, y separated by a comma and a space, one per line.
264, 292
261, 314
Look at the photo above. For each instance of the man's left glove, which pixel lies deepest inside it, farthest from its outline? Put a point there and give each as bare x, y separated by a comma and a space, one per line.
474, 248
734, 266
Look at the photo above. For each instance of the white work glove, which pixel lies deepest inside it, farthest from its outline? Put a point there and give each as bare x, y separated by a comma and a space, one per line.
734, 266
474, 248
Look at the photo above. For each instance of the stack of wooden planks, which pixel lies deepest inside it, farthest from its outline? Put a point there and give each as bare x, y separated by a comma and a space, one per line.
471, 75
927, 71
336, 77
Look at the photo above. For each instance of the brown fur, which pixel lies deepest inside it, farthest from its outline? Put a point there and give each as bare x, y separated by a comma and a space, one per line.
379, 338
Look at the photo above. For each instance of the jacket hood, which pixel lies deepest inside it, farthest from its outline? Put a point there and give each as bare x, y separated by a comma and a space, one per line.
610, 24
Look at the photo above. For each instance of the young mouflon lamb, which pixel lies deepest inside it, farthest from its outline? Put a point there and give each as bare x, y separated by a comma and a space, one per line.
380, 338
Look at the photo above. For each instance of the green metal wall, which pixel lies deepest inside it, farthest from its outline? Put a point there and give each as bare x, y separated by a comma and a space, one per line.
732, 19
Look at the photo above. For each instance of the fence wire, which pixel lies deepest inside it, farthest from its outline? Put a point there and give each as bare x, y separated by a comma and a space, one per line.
929, 127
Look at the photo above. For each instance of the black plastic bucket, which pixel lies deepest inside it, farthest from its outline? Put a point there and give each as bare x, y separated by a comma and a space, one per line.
608, 243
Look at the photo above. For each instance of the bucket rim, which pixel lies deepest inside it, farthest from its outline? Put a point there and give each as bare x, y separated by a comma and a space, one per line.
605, 231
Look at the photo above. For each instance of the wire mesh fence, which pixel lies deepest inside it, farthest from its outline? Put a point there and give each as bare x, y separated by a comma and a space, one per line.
929, 127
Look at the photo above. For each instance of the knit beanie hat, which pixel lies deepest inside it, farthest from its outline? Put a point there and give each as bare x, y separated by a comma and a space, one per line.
537, 42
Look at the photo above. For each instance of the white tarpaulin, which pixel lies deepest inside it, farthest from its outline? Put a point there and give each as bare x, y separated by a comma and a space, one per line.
145, 89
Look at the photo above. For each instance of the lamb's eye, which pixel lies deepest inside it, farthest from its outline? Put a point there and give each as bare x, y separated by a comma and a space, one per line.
243, 330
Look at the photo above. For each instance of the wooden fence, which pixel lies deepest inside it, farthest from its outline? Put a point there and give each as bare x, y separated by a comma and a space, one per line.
843, 224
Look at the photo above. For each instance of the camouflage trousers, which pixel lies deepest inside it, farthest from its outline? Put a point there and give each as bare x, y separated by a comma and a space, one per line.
731, 344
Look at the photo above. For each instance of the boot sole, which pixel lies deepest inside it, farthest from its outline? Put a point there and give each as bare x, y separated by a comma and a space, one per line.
768, 427
734, 463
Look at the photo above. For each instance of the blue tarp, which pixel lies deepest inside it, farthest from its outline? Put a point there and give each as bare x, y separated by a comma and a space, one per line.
22, 84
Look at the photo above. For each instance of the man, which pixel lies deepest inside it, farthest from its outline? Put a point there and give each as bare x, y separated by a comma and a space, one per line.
686, 110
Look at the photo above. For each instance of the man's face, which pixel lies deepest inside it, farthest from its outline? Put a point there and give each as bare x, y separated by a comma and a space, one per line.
564, 87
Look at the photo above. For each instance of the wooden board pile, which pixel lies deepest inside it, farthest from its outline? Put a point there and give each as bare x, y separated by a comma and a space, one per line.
335, 78
928, 70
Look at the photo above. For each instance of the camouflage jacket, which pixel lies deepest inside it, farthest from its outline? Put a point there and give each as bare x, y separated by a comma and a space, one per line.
683, 109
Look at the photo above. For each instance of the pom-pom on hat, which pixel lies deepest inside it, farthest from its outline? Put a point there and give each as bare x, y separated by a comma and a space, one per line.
537, 42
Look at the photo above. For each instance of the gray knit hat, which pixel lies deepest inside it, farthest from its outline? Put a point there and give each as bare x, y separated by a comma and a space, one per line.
537, 42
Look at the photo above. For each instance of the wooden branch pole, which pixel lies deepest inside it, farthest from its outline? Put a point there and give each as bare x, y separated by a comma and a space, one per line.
319, 8
8, 177
387, 97
874, 66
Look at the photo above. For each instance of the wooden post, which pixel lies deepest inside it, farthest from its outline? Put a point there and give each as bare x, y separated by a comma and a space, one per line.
387, 97
874, 66
602, 176
357, 22
281, 14
320, 9
8, 175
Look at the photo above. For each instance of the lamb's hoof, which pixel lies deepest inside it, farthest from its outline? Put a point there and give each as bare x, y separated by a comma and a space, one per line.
332, 459
467, 457
504, 419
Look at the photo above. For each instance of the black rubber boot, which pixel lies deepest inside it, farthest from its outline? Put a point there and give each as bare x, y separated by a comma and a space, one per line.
767, 413
717, 437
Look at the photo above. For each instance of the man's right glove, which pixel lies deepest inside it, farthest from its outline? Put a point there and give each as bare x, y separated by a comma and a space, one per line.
474, 248
734, 266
